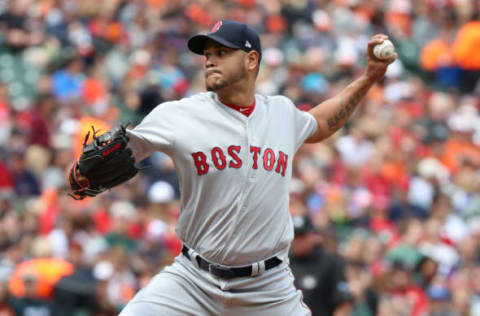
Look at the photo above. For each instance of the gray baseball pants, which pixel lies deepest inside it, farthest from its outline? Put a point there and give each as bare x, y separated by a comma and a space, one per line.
182, 289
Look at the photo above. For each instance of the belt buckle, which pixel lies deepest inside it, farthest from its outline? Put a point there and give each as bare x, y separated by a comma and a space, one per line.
220, 271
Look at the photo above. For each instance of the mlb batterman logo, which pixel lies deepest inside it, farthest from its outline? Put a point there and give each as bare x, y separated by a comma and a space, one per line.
216, 27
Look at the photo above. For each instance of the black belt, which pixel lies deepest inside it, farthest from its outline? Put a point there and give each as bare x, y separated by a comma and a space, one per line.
227, 272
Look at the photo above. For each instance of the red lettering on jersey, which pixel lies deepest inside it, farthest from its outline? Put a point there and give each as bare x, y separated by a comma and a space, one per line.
200, 160
216, 27
231, 152
255, 151
282, 163
218, 158
268, 159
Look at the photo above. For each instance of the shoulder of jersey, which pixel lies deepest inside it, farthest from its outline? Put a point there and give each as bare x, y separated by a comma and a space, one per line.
196, 98
277, 101
190, 101
206, 97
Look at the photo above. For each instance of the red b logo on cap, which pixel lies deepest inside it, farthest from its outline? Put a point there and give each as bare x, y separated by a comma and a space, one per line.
216, 27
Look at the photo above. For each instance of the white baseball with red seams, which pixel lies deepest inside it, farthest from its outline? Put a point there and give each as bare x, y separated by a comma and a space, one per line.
384, 50
234, 172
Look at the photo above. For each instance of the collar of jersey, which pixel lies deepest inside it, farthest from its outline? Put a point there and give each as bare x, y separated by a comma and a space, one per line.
246, 110
237, 109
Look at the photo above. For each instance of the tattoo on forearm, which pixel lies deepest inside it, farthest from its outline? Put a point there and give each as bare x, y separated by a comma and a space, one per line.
346, 108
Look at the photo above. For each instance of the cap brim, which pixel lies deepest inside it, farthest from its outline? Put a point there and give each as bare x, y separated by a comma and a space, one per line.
197, 43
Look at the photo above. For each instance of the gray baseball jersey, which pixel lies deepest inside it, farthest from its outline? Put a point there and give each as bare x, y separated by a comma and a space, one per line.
234, 172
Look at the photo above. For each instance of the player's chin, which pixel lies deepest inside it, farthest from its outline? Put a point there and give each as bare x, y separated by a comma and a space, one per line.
215, 85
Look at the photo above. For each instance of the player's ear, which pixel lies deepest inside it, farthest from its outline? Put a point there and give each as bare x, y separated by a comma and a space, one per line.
252, 60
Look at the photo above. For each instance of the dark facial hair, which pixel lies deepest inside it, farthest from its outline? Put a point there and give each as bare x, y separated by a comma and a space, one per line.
223, 83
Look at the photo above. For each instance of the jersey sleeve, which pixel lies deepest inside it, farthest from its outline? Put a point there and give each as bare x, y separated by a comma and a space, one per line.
305, 125
155, 132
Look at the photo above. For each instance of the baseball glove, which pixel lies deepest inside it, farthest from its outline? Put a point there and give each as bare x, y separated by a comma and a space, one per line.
104, 163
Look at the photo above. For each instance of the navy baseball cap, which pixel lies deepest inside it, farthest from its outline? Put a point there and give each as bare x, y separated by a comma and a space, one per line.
229, 33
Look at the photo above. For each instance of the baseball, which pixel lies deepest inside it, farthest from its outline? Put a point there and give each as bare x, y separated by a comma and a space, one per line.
384, 50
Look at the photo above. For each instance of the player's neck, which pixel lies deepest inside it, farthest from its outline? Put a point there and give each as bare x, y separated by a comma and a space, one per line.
237, 96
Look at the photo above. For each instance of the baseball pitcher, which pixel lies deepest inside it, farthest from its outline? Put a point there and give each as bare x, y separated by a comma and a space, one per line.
233, 151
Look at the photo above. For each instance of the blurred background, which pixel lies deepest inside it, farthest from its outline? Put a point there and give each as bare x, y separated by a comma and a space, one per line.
396, 193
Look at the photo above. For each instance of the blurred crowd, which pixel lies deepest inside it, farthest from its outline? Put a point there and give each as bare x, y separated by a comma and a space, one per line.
397, 191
